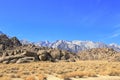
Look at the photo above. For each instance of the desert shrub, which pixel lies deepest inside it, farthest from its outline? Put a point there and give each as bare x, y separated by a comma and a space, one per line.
5, 78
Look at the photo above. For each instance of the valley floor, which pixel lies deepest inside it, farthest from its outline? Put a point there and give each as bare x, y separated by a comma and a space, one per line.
81, 70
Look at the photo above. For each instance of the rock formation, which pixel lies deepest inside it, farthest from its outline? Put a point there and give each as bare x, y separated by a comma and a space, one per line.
99, 54
12, 51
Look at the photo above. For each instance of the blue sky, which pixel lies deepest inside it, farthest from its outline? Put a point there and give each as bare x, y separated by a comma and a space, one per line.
38, 20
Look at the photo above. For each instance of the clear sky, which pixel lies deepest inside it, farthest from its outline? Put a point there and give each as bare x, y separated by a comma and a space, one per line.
38, 20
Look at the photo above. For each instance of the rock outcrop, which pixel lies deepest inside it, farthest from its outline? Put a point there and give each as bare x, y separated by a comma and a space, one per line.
22, 54
12, 51
100, 54
6, 43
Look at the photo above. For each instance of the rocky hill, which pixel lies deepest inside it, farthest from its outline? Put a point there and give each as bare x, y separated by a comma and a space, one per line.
99, 54
12, 51
6, 42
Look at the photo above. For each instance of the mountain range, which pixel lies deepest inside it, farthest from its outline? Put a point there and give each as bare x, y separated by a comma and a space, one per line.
12, 51
73, 46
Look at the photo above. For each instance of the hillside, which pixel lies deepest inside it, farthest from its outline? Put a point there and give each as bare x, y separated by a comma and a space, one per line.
99, 54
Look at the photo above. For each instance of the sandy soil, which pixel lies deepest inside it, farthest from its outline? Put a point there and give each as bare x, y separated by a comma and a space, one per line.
100, 78
50, 77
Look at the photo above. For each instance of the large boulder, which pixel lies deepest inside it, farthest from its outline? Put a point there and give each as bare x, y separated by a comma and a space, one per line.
25, 60
56, 54
2, 47
44, 55
31, 54
5, 58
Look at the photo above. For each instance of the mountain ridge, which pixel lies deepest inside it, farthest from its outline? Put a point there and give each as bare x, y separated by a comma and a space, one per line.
72, 46
75, 45
12, 51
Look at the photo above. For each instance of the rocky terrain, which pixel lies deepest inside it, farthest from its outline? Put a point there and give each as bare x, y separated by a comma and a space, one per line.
12, 51
99, 54
8, 43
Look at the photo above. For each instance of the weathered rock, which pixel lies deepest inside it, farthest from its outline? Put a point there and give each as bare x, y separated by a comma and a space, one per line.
8, 58
15, 41
98, 54
44, 55
56, 54
12, 51
5, 62
6, 42
13, 61
2, 47
63, 58
31, 54
71, 60
26, 60
1, 53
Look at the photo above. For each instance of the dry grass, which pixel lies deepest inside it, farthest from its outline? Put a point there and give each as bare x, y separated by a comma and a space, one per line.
5, 78
36, 77
42, 77
78, 74
60, 69
30, 78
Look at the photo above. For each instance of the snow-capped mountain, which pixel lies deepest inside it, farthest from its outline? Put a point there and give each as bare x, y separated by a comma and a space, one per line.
43, 43
115, 46
73, 46
76, 45
25, 42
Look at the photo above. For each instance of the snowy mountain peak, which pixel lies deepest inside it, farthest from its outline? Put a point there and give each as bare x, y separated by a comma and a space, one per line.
114, 44
76, 45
